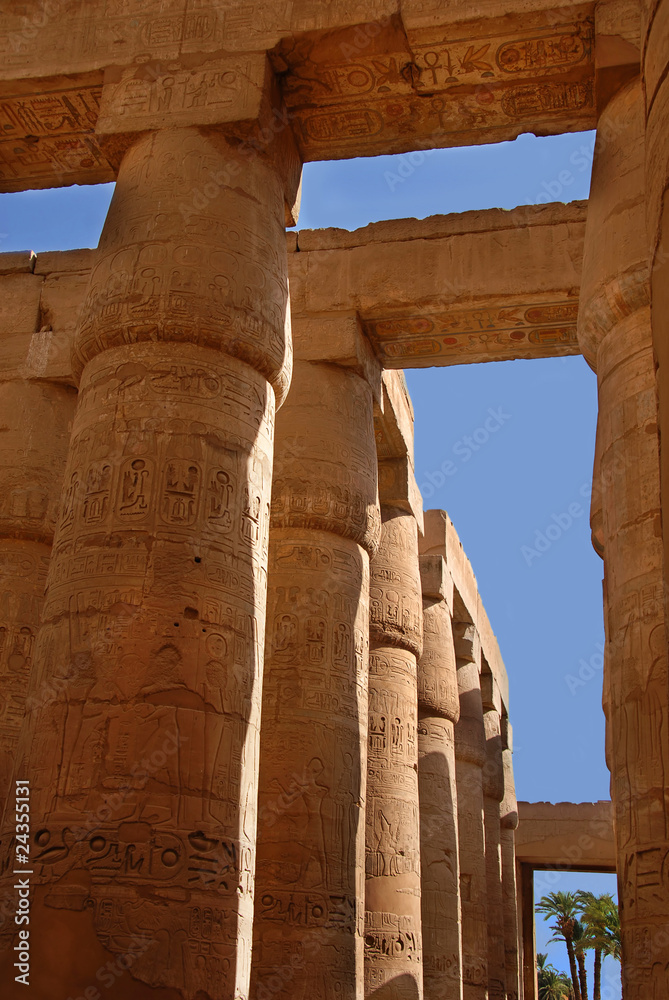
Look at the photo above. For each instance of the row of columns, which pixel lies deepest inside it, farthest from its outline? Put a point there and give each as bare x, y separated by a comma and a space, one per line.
215, 562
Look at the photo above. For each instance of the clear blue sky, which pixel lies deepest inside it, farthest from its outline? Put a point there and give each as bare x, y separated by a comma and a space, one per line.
546, 610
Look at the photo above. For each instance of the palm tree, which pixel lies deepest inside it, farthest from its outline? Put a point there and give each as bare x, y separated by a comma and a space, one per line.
563, 907
580, 940
602, 931
553, 985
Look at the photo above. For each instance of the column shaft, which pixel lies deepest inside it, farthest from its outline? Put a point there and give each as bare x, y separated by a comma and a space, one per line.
145, 770
493, 793
36, 420
308, 936
470, 758
438, 711
509, 823
393, 950
615, 330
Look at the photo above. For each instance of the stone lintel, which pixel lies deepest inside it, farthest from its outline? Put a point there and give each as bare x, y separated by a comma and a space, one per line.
39, 308
18, 262
401, 85
441, 538
566, 835
436, 580
460, 289
414, 75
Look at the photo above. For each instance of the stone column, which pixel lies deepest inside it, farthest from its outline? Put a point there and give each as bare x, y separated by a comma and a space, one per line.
393, 951
656, 87
493, 793
438, 711
528, 927
36, 419
509, 824
615, 334
470, 758
308, 935
144, 772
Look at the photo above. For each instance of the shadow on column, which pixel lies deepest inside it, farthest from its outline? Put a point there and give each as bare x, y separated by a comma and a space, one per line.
399, 988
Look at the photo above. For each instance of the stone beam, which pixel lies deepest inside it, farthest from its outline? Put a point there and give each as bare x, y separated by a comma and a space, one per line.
447, 290
457, 289
40, 299
353, 80
566, 836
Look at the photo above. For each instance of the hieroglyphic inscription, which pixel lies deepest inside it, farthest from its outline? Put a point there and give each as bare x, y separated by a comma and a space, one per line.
438, 709
310, 870
446, 90
392, 863
466, 335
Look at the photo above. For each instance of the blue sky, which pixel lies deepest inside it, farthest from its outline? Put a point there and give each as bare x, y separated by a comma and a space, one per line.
546, 609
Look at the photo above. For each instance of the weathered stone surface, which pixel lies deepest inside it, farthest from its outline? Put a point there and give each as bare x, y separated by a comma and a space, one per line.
393, 940
158, 580
441, 539
615, 331
470, 759
481, 286
386, 76
36, 422
567, 835
325, 522
438, 711
509, 824
493, 793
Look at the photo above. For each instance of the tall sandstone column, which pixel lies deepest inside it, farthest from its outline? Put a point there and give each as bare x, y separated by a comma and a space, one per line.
309, 907
493, 793
144, 772
393, 950
615, 335
438, 711
36, 420
655, 48
470, 759
509, 824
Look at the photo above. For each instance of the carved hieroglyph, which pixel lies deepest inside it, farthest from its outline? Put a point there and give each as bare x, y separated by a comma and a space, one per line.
393, 951
361, 92
493, 793
308, 933
144, 770
615, 333
470, 758
36, 420
438, 711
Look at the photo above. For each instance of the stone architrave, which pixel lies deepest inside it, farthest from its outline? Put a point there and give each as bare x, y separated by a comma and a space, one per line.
470, 759
393, 950
325, 524
438, 711
144, 770
493, 793
615, 335
36, 419
509, 824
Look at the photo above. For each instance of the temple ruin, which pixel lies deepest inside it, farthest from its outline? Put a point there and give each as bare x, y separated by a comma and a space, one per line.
262, 711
